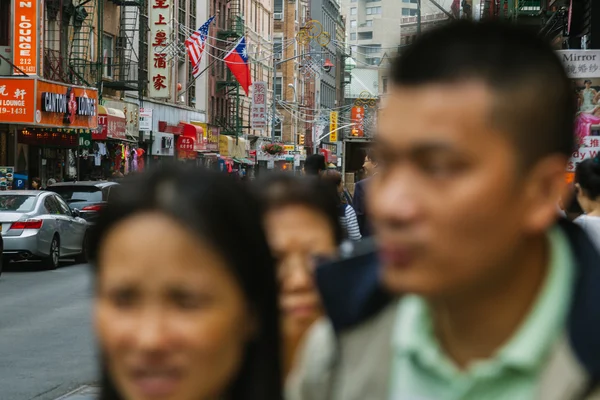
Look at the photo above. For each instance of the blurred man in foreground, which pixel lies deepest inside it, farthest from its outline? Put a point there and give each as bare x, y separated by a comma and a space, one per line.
491, 299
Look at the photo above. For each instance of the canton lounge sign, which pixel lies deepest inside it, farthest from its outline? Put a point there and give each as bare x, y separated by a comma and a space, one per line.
68, 104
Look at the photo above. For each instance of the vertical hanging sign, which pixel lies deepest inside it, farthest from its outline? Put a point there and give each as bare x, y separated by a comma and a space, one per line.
258, 113
25, 36
358, 117
159, 82
333, 126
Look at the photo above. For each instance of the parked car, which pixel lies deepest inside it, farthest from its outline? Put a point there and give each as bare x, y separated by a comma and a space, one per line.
87, 197
40, 225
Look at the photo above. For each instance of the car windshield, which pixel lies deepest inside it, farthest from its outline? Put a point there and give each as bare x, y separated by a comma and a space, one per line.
17, 203
73, 194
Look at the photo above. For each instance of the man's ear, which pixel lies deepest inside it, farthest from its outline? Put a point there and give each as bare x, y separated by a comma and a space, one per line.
545, 186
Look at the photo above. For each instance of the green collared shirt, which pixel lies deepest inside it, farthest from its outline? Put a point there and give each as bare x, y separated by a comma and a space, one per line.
421, 370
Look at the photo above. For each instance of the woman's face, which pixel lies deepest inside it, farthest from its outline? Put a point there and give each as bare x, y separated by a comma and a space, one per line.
171, 319
297, 235
35, 185
588, 85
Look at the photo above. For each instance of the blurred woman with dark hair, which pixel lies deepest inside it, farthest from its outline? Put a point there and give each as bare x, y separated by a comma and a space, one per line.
301, 221
185, 293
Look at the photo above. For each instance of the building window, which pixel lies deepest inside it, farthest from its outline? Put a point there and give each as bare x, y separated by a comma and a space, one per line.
372, 48
410, 1
353, 24
353, 11
369, 23
372, 1
374, 61
278, 48
277, 9
374, 10
353, 36
5, 9
384, 84
107, 55
365, 35
409, 12
353, 1
278, 87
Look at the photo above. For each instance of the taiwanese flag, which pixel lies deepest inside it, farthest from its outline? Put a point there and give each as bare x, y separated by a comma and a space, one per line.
237, 62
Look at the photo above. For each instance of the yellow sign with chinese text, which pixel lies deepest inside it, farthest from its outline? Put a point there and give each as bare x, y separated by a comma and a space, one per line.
333, 126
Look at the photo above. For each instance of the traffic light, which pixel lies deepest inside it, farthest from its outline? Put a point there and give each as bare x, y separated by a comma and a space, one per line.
301, 140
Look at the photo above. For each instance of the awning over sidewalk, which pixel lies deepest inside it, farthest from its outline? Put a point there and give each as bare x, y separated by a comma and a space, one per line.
112, 124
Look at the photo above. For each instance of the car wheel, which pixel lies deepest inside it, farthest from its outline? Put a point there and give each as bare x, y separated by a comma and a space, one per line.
83, 257
53, 259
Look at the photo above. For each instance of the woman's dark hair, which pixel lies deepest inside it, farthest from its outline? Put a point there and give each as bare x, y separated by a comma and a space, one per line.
280, 190
38, 181
587, 175
314, 164
587, 81
222, 212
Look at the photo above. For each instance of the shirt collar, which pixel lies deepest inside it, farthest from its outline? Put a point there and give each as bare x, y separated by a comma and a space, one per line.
414, 336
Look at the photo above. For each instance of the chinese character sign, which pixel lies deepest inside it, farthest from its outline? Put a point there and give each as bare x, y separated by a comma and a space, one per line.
159, 82
258, 113
581, 63
17, 100
333, 126
358, 118
25, 36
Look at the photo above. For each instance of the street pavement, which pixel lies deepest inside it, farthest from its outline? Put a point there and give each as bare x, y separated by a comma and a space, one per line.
46, 341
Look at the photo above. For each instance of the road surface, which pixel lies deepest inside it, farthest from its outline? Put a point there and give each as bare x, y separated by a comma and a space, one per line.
46, 341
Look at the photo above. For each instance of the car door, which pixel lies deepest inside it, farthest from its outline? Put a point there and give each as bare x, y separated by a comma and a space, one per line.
50, 213
75, 228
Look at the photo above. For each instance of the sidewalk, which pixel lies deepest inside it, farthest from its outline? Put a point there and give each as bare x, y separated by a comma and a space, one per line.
82, 393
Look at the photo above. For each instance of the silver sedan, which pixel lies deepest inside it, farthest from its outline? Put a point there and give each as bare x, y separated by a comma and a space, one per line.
39, 225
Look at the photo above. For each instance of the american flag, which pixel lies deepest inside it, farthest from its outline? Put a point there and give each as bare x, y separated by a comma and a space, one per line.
195, 46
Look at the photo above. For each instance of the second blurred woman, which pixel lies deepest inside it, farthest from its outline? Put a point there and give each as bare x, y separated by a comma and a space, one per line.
301, 220
587, 184
186, 297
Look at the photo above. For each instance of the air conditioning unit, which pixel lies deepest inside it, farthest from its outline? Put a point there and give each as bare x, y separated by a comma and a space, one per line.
278, 16
5, 68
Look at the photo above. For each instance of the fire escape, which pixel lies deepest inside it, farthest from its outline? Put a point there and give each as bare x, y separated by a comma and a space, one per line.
230, 119
129, 67
549, 16
68, 28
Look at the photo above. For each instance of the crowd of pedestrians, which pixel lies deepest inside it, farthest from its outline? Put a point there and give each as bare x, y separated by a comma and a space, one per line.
448, 275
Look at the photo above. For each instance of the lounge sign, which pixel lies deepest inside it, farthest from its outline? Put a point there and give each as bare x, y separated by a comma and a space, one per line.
25, 36
69, 106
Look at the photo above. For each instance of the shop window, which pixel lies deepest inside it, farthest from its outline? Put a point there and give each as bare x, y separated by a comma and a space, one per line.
108, 54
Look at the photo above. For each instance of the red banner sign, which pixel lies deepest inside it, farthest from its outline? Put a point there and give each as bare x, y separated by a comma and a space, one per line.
358, 118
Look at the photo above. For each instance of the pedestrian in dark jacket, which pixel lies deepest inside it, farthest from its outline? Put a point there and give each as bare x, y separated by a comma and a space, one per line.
475, 290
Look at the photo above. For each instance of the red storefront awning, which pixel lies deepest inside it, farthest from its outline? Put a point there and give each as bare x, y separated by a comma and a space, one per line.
185, 147
196, 134
112, 124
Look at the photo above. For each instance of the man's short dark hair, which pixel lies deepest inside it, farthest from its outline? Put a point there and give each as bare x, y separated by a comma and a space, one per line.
533, 96
315, 164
